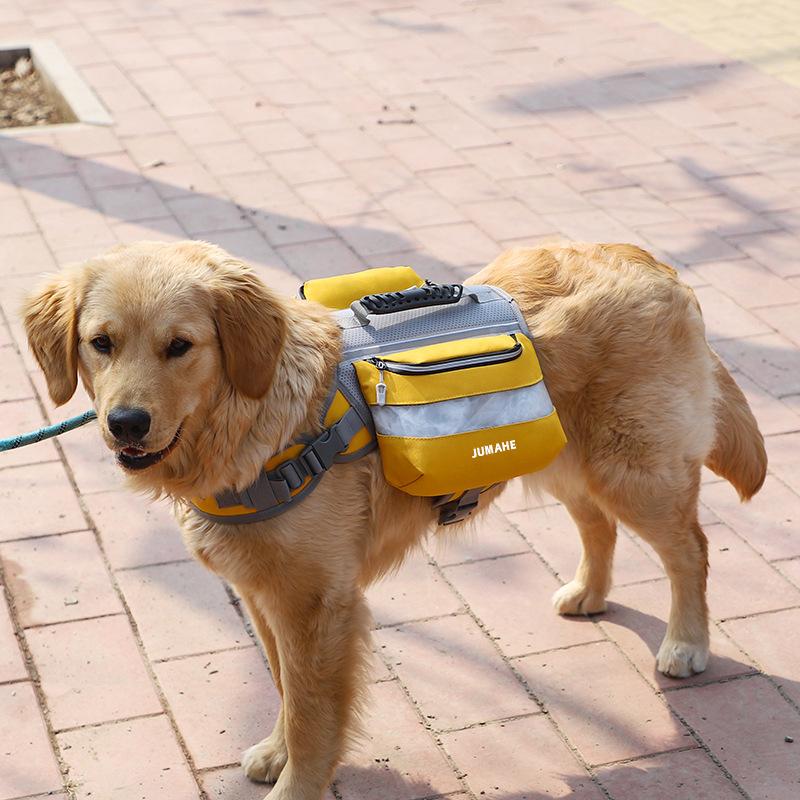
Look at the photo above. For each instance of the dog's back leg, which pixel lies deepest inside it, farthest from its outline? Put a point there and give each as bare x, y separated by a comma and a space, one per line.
662, 509
586, 592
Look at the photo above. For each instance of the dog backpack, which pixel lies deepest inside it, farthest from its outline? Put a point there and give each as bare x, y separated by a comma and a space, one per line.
443, 379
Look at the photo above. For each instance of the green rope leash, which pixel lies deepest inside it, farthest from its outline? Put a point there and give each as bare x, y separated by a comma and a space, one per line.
47, 432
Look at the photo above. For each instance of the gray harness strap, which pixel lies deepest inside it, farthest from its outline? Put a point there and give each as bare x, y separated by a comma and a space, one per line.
275, 490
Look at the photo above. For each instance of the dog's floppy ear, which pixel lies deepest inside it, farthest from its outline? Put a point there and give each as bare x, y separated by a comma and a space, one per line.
50, 316
251, 323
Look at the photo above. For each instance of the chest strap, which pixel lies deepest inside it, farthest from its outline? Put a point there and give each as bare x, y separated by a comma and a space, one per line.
295, 476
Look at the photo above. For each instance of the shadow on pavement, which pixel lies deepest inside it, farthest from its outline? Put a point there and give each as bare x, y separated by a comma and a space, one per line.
684, 775
614, 90
206, 215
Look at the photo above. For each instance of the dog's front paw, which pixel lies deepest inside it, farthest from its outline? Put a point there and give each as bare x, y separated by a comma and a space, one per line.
264, 761
575, 598
681, 659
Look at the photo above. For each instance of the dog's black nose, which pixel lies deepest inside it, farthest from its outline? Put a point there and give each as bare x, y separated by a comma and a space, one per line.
128, 424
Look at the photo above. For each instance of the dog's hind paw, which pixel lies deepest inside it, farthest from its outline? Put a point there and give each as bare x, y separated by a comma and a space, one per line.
574, 599
264, 761
681, 659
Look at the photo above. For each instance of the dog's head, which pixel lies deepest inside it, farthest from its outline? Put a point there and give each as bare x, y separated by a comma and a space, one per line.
156, 331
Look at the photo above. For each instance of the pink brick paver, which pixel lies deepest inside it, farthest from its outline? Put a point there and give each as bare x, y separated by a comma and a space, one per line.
411, 765
785, 465
58, 578
769, 522
82, 665
128, 760
725, 714
773, 640
507, 595
771, 357
551, 532
50, 504
181, 610
12, 667
27, 765
312, 139
740, 582
725, 319
605, 709
135, 532
791, 569
216, 733
785, 319
689, 774
775, 416
522, 758
433, 657
417, 592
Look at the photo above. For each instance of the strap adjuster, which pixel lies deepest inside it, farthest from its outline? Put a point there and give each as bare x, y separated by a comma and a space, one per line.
311, 461
290, 472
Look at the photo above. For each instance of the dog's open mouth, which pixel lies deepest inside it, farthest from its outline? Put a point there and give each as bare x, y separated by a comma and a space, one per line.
134, 458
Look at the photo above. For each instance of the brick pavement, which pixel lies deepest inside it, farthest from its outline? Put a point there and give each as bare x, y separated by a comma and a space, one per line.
764, 35
312, 138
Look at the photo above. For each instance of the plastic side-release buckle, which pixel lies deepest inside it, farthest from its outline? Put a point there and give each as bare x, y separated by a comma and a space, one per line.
278, 486
320, 455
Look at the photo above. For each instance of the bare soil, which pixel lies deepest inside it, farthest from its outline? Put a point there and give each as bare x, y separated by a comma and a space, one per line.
23, 99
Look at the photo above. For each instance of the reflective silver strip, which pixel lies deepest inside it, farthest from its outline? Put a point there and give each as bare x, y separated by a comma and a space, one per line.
464, 414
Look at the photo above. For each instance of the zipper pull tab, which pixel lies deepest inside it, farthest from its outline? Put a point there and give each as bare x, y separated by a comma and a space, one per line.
380, 389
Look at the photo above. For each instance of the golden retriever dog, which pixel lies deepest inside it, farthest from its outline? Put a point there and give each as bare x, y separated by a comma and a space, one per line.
200, 372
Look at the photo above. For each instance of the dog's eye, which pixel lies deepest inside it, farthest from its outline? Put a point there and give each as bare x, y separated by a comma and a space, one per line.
102, 343
178, 347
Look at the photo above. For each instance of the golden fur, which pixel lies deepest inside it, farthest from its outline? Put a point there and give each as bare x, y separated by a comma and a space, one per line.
643, 400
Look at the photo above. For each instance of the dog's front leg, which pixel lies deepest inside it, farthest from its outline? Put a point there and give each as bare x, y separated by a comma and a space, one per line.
265, 761
322, 645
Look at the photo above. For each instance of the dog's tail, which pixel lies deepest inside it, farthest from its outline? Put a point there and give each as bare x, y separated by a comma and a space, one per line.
738, 454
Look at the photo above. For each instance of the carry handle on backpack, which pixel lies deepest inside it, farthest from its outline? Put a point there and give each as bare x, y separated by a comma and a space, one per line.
431, 294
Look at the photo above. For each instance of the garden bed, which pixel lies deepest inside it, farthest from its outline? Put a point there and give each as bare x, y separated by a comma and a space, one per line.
25, 99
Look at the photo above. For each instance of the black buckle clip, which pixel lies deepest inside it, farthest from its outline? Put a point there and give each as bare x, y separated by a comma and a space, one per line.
457, 509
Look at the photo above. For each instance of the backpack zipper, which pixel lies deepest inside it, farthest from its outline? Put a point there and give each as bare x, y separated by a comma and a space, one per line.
447, 365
